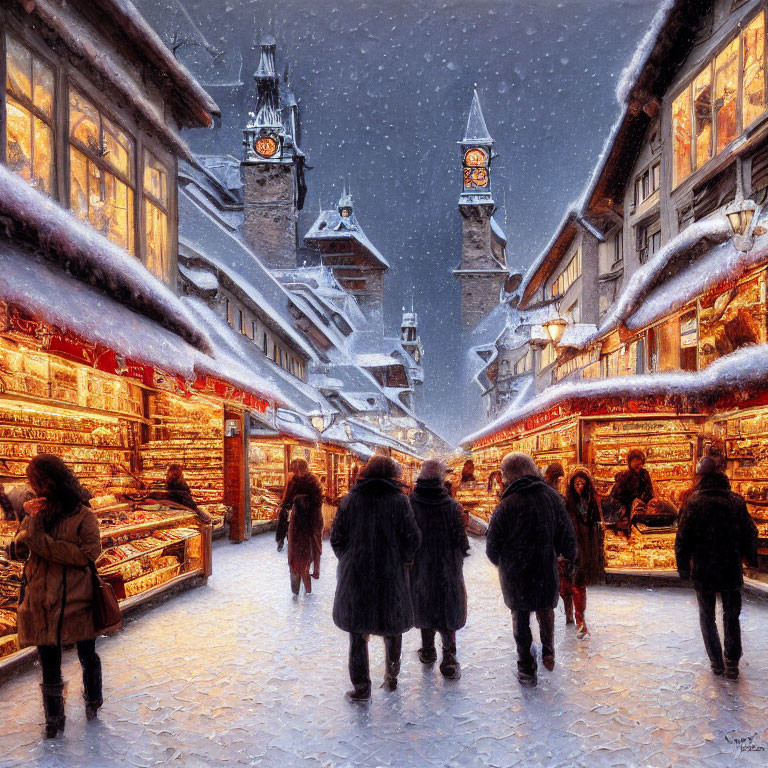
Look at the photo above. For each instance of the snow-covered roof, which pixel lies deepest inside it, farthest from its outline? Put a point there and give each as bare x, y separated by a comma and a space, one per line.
279, 384
745, 368
476, 130
544, 264
575, 334
497, 230
58, 299
202, 278
331, 225
184, 84
202, 231
713, 229
293, 425
376, 360
84, 42
33, 217
631, 72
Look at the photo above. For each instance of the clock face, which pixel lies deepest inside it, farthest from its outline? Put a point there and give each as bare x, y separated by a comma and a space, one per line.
266, 146
475, 157
475, 178
346, 213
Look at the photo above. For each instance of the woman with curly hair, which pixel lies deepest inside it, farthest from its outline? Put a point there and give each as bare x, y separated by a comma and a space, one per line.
583, 505
59, 539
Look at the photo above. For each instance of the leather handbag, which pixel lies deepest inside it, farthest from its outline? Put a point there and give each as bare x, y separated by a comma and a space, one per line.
107, 616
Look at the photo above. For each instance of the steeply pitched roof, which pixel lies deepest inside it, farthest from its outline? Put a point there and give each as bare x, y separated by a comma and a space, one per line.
331, 225
476, 131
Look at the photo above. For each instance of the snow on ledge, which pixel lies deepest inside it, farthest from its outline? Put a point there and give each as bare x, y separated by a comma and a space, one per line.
70, 240
747, 367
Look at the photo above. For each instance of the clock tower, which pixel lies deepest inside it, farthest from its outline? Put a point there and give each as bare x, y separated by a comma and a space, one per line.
483, 268
272, 168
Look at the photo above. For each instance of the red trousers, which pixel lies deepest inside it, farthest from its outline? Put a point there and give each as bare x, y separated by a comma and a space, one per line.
574, 599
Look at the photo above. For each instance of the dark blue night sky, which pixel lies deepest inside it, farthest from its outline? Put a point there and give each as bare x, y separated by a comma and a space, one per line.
384, 89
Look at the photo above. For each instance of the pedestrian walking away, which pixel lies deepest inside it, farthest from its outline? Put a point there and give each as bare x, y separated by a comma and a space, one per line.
59, 539
583, 506
305, 540
715, 535
437, 578
301, 482
375, 538
528, 530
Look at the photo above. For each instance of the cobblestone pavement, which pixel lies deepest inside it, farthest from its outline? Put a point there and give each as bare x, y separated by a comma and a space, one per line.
237, 673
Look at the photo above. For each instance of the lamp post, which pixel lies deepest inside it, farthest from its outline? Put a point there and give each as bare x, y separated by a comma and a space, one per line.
555, 324
741, 214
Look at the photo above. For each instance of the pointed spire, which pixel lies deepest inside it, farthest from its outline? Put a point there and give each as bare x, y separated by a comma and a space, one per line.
477, 131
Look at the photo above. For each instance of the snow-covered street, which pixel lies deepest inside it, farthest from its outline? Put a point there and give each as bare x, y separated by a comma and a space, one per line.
238, 673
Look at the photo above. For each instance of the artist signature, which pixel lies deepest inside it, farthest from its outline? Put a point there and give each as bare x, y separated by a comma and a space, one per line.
745, 743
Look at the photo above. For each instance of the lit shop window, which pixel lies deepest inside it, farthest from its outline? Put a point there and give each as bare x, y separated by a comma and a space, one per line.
101, 172
29, 116
724, 98
548, 355
156, 217
568, 276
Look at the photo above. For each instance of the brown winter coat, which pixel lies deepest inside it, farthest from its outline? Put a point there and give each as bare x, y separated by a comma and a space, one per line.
305, 534
56, 601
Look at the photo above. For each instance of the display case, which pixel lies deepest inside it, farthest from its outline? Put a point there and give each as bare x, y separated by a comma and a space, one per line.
744, 436
146, 549
191, 435
670, 445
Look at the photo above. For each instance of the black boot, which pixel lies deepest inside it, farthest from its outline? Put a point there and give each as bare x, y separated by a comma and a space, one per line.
449, 666
358, 668
53, 706
92, 688
392, 650
427, 652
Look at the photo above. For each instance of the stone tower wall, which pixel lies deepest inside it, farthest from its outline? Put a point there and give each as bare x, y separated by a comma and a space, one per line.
271, 218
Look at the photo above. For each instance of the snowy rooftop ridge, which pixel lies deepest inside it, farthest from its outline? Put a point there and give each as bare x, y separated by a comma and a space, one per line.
643, 52
142, 31
80, 40
58, 233
330, 225
732, 373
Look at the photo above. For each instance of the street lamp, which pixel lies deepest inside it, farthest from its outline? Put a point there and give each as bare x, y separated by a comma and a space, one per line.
555, 328
555, 325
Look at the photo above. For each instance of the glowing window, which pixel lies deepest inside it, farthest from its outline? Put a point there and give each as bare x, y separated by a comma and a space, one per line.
101, 172
29, 116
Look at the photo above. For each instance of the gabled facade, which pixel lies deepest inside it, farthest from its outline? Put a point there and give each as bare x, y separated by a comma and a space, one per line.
338, 241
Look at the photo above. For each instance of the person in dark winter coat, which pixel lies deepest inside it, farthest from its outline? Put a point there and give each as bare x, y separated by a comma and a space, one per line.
375, 537
528, 530
583, 505
631, 484
437, 579
715, 534
305, 540
301, 483
59, 539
